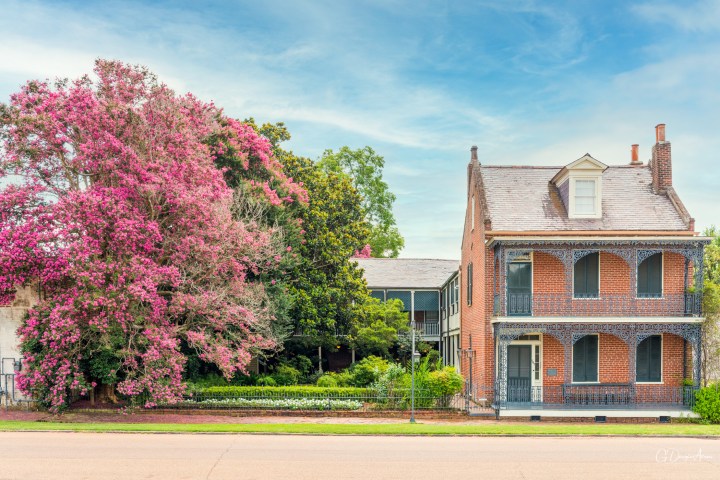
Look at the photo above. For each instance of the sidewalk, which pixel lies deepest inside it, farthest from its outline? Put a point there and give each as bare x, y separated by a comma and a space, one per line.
179, 418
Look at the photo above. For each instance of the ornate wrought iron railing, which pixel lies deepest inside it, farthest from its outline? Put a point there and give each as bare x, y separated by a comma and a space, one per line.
562, 305
596, 396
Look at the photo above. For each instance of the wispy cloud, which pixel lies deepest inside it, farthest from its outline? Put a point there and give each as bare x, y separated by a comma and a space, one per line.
527, 81
697, 16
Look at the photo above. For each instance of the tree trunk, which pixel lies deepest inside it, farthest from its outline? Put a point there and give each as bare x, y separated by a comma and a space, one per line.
106, 394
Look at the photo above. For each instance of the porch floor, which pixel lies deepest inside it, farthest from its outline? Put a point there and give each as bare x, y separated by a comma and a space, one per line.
650, 411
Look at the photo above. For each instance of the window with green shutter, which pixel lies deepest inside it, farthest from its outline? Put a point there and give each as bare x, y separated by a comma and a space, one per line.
649, 360
585, 359
586, 281
649, 277
469, 283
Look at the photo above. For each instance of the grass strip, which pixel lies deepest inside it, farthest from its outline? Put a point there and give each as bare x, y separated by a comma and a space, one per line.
376, 429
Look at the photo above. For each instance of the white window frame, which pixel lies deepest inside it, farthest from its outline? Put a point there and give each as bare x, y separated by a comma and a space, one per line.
597, 211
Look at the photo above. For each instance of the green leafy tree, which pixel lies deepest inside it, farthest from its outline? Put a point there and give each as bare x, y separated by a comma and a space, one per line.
327, 287
364, 167
711, 308
378, 326
712, 255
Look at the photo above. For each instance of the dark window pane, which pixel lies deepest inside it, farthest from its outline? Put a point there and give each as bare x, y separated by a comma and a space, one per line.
585, 359
649, 277
649, 359
586, 281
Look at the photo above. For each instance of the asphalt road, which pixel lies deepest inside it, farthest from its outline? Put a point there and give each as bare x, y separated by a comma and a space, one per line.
57, 455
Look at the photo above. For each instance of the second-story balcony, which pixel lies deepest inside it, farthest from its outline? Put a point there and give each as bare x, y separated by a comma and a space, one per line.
659, 277
560, 305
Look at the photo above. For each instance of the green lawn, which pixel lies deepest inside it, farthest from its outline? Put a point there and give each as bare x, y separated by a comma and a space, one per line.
680, 429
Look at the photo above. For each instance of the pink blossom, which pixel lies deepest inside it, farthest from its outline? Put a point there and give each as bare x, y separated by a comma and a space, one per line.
126, 224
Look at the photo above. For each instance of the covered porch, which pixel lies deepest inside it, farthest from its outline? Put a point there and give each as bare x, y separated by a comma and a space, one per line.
587, 366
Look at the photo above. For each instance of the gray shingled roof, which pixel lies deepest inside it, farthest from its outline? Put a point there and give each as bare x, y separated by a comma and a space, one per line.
522, 199
407, 272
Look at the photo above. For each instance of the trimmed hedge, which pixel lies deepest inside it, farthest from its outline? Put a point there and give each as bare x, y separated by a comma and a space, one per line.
278, 403
284, 392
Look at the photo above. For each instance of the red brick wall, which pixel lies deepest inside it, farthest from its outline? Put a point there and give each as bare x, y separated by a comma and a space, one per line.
614, 360
553, 357
672, 347
661, 166
614, 275
548, 274
474, 321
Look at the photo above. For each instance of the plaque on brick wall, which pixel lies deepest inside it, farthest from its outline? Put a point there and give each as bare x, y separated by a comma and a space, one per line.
552, 372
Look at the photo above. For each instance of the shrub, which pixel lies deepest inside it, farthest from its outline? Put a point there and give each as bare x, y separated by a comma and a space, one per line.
344, 379
286, 375
265, 380
433, 358
327, 381
443, 384
707, 403
303, 365
391, 386
445, 381
368, 370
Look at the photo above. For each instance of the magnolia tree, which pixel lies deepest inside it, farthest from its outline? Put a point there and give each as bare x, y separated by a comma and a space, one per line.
113, 205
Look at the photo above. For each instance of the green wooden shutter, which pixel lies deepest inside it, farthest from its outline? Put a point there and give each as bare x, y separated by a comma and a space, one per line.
585, 359
643, 360
650, 276
649, 360
655, 358
591, 358
579, 361
585, 283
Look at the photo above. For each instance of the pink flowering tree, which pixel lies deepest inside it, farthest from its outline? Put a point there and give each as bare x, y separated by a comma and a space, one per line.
115, 207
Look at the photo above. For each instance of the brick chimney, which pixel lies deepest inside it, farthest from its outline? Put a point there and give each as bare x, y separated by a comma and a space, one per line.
634, 156
661, 164
473, 153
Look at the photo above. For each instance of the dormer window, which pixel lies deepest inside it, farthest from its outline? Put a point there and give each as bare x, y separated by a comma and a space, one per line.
585, 197
580, 187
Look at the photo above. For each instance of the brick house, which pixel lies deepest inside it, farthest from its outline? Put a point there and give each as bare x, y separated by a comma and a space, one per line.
580, 286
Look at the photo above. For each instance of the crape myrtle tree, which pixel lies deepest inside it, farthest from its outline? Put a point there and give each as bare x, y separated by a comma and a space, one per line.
118, 213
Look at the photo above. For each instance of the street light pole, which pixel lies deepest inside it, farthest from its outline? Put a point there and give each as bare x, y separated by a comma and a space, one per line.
412, 358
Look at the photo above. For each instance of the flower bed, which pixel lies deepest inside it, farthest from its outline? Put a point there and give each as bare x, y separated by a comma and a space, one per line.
276, 403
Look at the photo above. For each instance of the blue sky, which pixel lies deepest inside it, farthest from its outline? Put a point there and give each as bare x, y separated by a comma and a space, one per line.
419, 81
